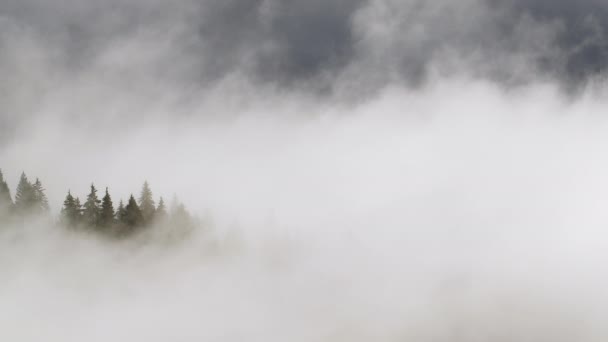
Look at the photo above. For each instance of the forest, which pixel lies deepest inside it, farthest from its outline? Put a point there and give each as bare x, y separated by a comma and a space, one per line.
96, 213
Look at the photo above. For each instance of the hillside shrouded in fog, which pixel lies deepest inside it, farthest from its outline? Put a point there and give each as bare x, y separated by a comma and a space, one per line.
355, 170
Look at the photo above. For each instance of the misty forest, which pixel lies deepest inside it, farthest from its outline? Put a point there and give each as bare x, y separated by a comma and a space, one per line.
96, 213
303, 170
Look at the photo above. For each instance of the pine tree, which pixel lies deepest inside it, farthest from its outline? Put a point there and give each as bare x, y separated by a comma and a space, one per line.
92, 209
106, 220
41, 203
78, 206
146, 203
161, 210
70, 213
133, 215
25, 198
121, 213
6, 202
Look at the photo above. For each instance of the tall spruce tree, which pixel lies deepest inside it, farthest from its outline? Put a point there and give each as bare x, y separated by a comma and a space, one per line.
6, 202
92, 208
106, 219
78, 205
146, 203
161, 210
70, 213
41, 203
25, 198
121, 213
133, 216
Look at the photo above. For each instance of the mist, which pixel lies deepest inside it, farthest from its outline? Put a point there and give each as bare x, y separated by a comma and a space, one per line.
365, 170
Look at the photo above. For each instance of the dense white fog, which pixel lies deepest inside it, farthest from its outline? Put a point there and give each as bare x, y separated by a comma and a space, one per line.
449, 196
459, 212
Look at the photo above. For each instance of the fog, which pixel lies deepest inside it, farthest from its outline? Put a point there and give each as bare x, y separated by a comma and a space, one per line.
400, 171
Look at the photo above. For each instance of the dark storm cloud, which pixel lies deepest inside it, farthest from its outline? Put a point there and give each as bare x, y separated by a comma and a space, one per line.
292, 42
285, 40
277, 40
581, 40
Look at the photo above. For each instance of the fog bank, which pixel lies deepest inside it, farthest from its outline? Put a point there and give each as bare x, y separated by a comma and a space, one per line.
458, 212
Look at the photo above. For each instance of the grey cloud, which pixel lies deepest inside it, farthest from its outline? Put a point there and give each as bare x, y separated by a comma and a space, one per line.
581, 40
286, 40
275, 39
507, 41
368, 43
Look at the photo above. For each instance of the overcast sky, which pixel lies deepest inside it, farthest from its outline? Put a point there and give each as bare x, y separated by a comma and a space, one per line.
291, 41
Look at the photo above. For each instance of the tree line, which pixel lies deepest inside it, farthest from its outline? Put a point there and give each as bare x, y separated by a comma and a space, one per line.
95, 214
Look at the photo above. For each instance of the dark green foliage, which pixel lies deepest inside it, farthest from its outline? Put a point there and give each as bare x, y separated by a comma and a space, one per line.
97, 215
92, 208
6, 202
30, 198
106, 218
25, 198
79, 208
146, 203
41, 203
120, 226
121, 213
133, 216
71, 211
